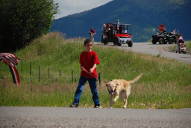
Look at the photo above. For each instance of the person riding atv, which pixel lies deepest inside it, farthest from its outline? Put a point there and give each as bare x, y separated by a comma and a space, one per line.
164, 37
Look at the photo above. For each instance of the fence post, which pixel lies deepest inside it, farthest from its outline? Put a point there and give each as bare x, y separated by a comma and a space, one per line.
39, 73
21, 70
72, 76
30, 70
48, 72
60, 73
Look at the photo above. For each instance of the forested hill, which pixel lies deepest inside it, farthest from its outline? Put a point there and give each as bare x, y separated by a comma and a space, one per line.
144, 15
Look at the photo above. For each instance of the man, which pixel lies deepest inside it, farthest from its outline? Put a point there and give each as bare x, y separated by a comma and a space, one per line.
88, 63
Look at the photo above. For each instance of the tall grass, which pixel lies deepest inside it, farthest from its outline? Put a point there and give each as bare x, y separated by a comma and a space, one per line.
165, 83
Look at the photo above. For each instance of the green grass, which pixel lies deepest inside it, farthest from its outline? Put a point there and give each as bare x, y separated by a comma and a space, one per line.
165, 83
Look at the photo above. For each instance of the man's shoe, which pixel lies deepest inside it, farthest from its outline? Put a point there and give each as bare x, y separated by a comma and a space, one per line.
97, 106
74, 105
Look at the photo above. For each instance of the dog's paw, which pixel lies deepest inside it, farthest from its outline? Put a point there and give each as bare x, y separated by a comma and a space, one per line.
124, 107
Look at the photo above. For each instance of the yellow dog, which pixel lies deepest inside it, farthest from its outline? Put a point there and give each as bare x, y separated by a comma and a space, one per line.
120, 88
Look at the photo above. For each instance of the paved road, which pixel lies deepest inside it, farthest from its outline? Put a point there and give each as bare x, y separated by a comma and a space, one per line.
57, 117
157, 50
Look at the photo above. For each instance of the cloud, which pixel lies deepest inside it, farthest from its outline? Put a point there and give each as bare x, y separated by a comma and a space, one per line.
67, 7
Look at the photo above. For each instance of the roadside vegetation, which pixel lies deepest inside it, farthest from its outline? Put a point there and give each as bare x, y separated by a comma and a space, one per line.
50, 71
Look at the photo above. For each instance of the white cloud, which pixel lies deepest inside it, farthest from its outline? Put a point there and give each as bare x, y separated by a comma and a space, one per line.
67, 7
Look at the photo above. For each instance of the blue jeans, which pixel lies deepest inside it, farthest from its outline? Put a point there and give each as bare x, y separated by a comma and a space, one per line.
92, 84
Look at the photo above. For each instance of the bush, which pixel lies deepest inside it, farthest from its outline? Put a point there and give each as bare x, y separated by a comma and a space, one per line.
23, 20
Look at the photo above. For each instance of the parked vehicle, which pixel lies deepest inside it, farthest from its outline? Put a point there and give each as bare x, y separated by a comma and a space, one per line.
116, 33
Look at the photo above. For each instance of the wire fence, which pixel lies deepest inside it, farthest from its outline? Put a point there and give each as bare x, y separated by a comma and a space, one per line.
37, 74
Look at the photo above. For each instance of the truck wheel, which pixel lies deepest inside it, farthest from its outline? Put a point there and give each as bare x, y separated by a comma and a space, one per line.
105, 43
130, 43
161, 41
154, 41
170, 42
116, 42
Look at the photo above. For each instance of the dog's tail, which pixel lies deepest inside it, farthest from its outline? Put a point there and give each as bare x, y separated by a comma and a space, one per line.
136, 78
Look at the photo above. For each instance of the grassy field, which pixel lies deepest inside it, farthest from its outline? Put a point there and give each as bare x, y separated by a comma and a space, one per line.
50, 71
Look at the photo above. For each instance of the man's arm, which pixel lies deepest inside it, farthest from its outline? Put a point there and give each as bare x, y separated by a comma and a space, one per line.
92, 69
83, 69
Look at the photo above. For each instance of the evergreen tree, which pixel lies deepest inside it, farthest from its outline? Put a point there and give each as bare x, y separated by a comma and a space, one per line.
23, 20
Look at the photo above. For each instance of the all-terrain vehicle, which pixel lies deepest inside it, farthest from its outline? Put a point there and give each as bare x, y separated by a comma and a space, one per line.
164, 37
116, 33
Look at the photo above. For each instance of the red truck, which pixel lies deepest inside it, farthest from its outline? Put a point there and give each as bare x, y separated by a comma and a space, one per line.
116, 33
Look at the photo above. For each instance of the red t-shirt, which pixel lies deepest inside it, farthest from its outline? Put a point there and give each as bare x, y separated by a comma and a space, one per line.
87, 60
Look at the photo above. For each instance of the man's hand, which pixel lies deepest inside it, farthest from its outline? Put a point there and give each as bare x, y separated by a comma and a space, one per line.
93, 68
83, 69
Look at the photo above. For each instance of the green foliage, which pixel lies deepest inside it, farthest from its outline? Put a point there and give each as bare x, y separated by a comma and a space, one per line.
23, 20
165, 83
188, 46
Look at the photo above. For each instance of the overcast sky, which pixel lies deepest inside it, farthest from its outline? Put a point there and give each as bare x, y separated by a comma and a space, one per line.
67, 7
